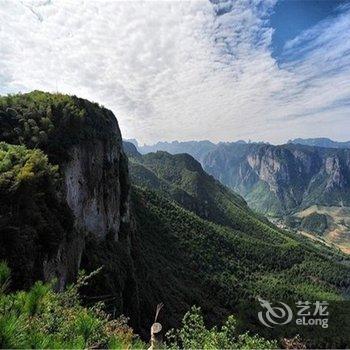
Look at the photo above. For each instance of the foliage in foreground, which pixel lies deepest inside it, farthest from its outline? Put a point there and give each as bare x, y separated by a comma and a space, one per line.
193, 334
34, 219
42, 319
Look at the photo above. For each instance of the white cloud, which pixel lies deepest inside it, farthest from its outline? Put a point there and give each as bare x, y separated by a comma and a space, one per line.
178, 70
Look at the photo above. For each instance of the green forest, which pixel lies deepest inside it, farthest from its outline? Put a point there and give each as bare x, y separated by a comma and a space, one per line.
190, 243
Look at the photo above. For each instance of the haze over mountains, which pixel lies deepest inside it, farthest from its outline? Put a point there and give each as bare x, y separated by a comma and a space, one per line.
201, 147
321, 142
207, 244
281, 181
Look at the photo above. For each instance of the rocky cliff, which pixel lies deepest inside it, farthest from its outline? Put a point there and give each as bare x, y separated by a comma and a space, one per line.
96, 186
82, 220
280, 179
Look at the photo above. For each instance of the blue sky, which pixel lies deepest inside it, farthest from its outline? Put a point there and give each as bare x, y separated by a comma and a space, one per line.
221, 70
292, 17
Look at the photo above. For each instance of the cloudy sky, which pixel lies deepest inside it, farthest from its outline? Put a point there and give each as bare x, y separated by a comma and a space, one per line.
221, 70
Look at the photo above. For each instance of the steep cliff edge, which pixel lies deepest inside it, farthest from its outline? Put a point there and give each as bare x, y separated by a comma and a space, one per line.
66, 204
87, 209
290, 181
96, 187
282, 179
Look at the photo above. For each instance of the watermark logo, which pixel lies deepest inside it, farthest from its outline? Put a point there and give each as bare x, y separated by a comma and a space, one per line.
306, 314
274, 315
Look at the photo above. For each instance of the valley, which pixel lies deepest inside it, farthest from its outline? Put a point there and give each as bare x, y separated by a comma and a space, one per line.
175, 175
337, 231
156, 227
287, 182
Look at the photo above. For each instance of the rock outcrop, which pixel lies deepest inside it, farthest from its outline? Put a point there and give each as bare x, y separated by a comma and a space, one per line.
95, 186
281, 179
84, 220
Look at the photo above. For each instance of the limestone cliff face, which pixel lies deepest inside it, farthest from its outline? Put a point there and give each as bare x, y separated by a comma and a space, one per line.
82, 220
280, 179
336, 171
96, 187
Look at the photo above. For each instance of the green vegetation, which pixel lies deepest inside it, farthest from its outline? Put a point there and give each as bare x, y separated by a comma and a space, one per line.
236, 255
30, 212
191, 241
236, 264
193, 334
315, 222
52, 122
42, 319
261, 199
24, 168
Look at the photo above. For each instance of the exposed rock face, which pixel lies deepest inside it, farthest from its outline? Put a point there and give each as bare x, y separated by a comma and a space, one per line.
94, 187
280, 179
336, 171
81, 221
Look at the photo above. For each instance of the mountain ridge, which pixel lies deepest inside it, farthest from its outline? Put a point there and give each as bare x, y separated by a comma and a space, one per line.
284, 180
161, 228
321, 142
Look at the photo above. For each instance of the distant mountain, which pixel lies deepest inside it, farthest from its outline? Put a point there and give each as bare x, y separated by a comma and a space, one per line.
290, 181
197, 149
281, 179
133, 141
131, 149
321, 142
190, 222
284, 180
215, 227
274, 180
182, 179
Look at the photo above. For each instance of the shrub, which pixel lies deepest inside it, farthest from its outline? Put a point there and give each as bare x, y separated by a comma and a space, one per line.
194, 335
42, 319
21, 167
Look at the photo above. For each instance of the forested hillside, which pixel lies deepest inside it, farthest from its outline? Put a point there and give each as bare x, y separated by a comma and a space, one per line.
237, 254
290, 181
167, 233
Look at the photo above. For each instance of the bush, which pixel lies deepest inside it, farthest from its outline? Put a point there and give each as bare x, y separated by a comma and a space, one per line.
194, 335
42, 319
21, 167
53, 122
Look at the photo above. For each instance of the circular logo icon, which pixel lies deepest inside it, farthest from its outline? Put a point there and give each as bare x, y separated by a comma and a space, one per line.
274, 315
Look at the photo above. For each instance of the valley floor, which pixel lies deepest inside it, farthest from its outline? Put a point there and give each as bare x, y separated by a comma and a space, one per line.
338, 231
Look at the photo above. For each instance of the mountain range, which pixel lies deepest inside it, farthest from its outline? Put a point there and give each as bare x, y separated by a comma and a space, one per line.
321, 142
156, 226
287, 181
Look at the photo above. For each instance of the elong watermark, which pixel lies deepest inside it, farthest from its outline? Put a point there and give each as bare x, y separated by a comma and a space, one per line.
307, 314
